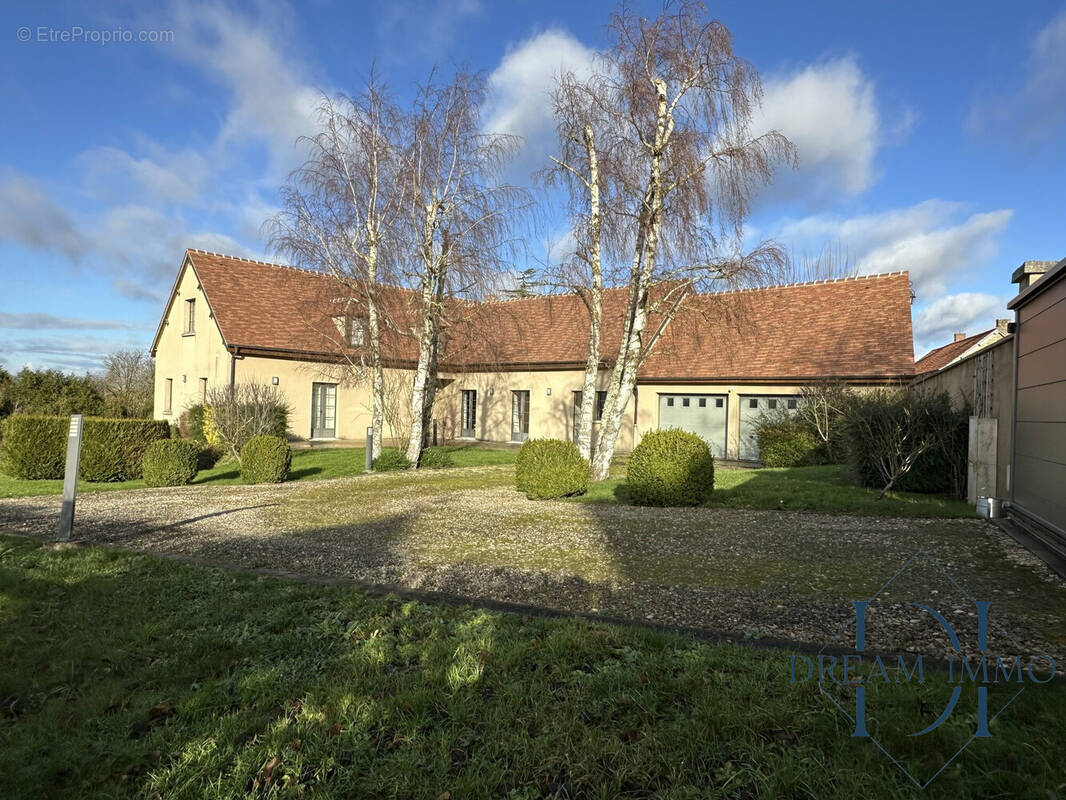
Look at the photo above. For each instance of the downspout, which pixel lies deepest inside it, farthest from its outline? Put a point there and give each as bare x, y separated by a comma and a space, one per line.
233, 367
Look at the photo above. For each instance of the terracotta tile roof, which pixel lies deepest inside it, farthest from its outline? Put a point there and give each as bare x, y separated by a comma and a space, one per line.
854, 327
940, 357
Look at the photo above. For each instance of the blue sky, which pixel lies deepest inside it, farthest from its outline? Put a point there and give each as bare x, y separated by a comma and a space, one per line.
931, 137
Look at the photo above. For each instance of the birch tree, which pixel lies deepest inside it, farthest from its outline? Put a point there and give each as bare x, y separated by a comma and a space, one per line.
671, 103
458, 213
341, 216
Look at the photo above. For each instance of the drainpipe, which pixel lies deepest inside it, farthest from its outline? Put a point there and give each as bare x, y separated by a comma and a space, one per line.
233, 367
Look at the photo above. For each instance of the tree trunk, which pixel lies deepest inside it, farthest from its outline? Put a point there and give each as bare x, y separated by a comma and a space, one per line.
631, 349
594, 301
423, 390
377, 377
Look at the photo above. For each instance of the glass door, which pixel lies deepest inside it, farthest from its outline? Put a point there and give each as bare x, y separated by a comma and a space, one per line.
468, 429
323, 410
519, 416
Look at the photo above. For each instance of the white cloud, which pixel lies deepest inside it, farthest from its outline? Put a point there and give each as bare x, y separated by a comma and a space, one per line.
829, 112
427, 27
170, 178
967, 312
520, 90
273, 102
934, 240
32, 219
1033, 115
31, 320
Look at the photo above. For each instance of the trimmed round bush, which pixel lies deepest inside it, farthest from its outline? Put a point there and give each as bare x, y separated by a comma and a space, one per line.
390, 461
170, 462
550, 468
785, 443
35, 447
265, 459
436, 458
670, 468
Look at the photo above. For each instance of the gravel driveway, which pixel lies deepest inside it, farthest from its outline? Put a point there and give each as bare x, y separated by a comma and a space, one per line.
753, 574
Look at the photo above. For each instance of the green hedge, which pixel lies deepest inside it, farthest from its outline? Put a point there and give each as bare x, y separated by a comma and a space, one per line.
785, 442
436, 458
549, 468
34, 448
265, 459
112, 449
670, 468
170, 462
390, 461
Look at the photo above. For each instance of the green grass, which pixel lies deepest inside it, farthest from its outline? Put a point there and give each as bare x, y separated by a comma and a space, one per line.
825, 489
131, 676
316, 464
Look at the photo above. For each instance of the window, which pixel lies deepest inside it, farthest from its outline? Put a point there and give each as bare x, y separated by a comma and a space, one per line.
703, 402
203, 390
190, 317
469, 414
669, 401
356, 333
753, 402
718, 403
597, 414
684, 402
792, 402
168, 394
773, 403
519, 415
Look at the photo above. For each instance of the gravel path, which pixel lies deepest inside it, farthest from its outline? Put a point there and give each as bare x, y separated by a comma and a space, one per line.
753, 574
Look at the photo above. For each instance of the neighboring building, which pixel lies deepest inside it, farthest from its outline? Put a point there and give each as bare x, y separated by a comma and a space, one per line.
513, 369
962, 347
1038, 484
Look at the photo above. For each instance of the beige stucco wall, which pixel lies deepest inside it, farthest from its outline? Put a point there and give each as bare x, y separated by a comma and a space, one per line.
187, 358
354, 404
551, 414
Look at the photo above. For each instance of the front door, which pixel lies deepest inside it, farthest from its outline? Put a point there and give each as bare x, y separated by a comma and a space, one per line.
468, 429
323, 410
519, 416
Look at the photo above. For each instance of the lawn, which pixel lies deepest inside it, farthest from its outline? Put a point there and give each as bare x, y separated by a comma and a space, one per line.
827, 489
315, 464
176, 681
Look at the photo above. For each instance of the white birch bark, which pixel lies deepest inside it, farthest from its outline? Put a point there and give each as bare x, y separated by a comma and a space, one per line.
593, 300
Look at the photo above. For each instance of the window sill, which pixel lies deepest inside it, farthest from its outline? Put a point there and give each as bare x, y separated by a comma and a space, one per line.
188, 334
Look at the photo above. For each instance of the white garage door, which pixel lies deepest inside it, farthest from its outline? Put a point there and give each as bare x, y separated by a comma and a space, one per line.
702, 414
752, 407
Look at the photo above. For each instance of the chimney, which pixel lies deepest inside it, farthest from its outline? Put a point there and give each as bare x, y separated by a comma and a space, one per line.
1001, 325
959, 337
1030, 272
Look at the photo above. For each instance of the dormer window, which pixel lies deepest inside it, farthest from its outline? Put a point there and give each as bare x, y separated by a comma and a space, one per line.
352, 329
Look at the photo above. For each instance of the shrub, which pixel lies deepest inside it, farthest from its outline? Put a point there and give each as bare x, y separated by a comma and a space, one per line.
670, 468
549, 468
907, 441
170, 462
191, 423
112, 449
390, 461
34, 448
784, 441
236, 414
265, 459
436, 458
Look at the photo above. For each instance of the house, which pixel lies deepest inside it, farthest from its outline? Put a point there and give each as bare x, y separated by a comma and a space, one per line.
961, 347
513, 369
